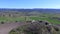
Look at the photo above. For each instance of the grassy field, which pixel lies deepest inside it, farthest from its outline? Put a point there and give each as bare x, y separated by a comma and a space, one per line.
44, 17
5, 19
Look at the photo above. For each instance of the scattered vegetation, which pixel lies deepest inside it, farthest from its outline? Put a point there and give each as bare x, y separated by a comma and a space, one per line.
48, 17
2, 22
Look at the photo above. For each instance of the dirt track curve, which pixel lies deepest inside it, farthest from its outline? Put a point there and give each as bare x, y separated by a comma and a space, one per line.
6, 28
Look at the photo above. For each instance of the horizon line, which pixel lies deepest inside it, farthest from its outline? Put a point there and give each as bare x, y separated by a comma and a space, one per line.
29, 8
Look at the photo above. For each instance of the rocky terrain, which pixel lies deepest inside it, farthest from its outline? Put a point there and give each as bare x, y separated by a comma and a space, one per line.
37, 27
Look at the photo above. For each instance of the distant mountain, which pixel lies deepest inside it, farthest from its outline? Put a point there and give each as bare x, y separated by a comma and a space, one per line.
31, 10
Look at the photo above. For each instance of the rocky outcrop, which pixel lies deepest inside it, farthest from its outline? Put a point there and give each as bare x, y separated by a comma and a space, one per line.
41, 27
37, 27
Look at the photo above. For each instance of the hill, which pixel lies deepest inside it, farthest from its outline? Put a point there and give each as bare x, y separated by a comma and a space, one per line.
39, 10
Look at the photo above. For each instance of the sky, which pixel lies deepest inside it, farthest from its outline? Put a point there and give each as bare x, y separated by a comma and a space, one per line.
30, 4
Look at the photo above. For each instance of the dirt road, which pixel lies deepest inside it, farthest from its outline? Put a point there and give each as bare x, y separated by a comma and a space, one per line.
6, 28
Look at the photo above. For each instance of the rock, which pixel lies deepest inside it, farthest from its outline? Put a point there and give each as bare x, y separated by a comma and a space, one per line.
40, 27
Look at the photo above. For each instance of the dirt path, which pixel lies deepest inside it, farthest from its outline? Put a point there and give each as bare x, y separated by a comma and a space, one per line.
6, 28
